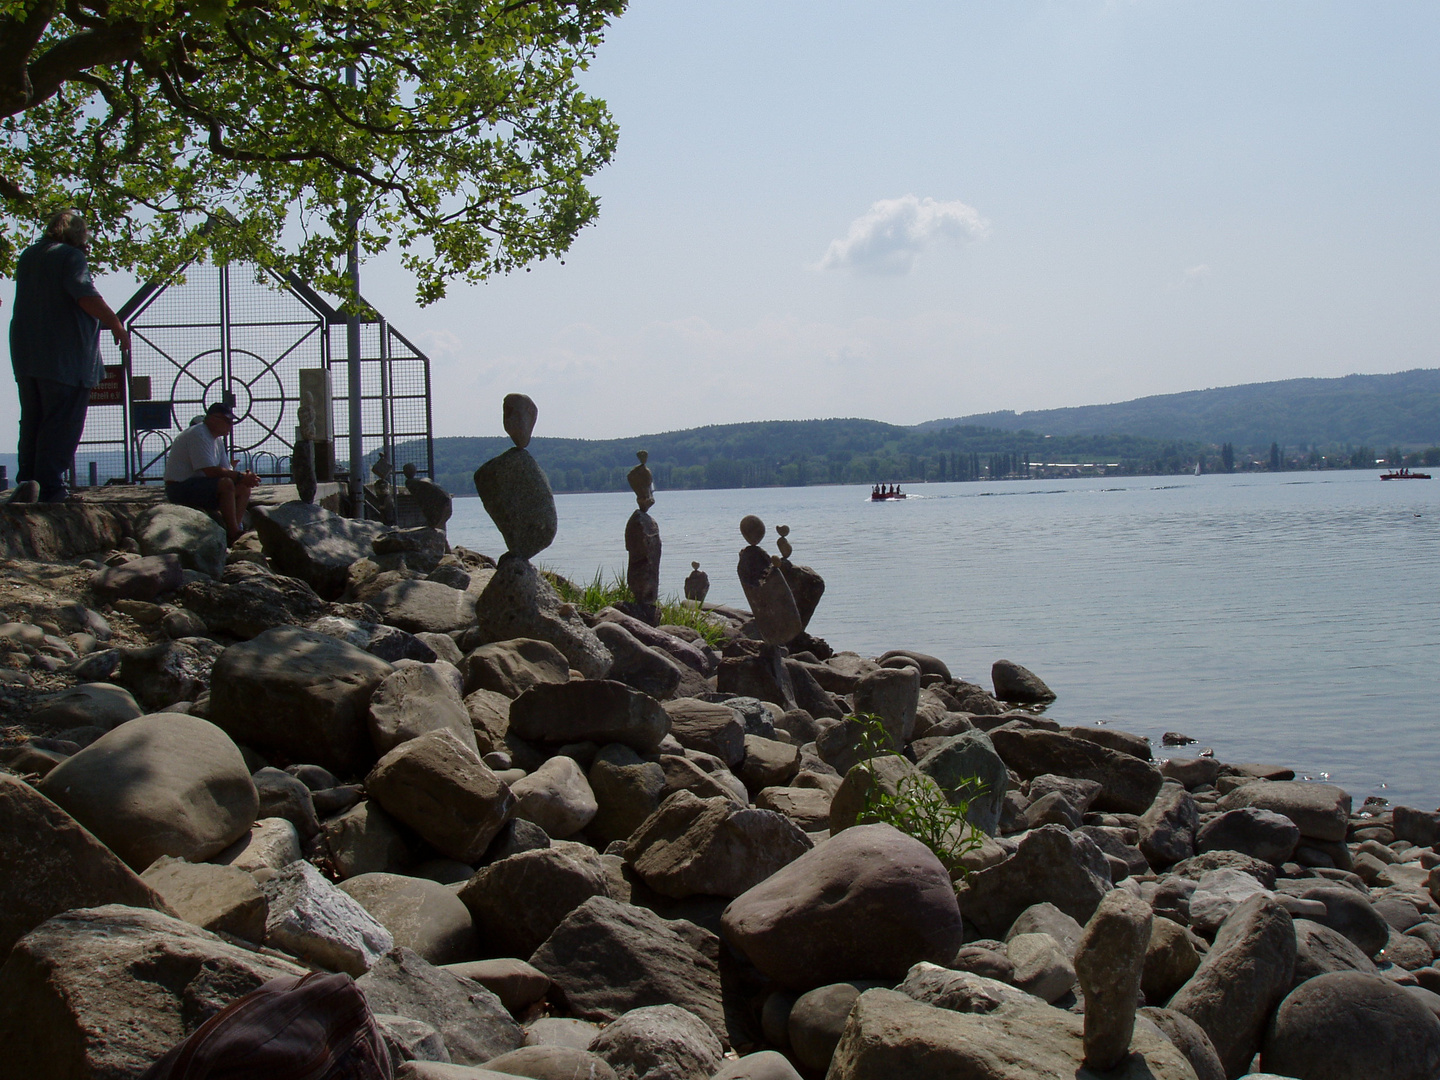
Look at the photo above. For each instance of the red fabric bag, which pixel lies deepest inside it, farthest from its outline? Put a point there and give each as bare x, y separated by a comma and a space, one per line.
315, 1027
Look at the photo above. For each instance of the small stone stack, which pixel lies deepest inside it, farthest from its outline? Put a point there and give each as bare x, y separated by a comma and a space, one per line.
434, 501
697, 585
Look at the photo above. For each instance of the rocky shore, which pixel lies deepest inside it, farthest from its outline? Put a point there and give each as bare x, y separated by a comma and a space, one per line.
557, 844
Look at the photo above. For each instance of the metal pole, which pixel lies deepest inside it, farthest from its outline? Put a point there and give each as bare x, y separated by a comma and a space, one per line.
352, 352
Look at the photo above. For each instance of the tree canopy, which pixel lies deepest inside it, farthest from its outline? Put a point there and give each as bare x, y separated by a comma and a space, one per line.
254, 129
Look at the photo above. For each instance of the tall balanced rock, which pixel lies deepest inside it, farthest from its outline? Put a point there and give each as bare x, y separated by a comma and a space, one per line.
434, 501
766, 589
513, 487
642, 542
1109, 962
697, 585
805, 584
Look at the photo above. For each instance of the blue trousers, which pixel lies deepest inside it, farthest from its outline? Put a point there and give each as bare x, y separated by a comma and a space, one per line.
52, 418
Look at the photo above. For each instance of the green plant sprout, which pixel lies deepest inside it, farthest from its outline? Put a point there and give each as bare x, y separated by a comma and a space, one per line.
600, 593
918, 807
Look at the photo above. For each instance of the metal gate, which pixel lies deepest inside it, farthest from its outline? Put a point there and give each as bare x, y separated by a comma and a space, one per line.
242, 334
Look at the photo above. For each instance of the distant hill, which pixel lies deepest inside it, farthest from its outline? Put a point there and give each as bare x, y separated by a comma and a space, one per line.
1371, 410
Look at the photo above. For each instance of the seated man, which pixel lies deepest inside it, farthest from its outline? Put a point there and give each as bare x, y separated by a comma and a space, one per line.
197, 473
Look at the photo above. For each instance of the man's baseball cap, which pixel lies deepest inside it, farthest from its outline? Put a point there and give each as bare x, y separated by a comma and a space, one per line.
222, 409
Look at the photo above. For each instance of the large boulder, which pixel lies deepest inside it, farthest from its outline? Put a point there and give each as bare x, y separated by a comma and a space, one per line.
193, 535
608, 957
891, 694
54, 865
414, 699
311, 918
1018, 684
168, 672
659, 1042
105, 992
693, 656
222, 899
1320, 950
96, 704
1167, 828
970, 772
627, 790
1245, 974
440, 788
518, 603
591, 710
1261, 834
475, 1026
648, 669
424, 607
1127, 784
299, 696
1352, 1026
247, 601
517, 902
512, 667
710, 846
420, 914
139, 579
1352, 914
314, 544
165, 784
707, 726
1321, 811
1050, 864
866, 904
891, 1035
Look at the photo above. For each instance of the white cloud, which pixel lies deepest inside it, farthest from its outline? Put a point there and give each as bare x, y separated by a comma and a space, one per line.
887, 238
1197, 275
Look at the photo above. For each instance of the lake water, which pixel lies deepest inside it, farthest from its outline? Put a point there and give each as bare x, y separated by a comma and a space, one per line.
1287, 618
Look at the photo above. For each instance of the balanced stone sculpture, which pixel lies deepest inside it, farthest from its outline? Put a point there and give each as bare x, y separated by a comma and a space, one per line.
434, 501
642, 541
513, 487
302, 457
805, 584
381, 494
697, 585
771, 601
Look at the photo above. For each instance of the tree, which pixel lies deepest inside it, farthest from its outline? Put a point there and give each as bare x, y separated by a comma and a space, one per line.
1227, 457
1274, 457
241, 128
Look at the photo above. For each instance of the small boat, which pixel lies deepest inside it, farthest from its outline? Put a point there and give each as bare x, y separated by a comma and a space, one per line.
879, 495
1404, 474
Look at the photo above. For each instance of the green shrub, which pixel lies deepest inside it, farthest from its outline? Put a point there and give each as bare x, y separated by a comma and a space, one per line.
600, 593
917, 808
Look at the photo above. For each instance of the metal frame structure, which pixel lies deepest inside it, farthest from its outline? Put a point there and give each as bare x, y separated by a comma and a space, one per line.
242, 334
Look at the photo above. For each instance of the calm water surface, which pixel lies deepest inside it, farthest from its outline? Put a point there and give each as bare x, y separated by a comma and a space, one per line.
1288, 618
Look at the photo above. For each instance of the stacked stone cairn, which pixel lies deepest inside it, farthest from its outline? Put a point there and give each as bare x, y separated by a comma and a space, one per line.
380, 494
697, 584
302, 455
434, 501
542, 854
642, 544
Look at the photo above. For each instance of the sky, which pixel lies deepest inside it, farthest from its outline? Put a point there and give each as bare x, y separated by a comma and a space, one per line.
931, 209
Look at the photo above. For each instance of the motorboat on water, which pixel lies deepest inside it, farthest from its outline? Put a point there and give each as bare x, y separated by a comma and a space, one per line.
886, 492
1404, 474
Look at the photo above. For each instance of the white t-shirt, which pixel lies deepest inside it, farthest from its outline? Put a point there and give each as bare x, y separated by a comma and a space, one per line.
194, 450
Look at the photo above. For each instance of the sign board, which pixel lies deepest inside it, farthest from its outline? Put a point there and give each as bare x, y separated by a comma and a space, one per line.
111, 389
150, 415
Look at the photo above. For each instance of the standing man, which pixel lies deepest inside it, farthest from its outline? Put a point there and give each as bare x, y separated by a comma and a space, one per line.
198, 474
55, 350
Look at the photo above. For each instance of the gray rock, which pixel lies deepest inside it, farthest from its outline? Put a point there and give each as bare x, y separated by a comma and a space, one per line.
221, 899
985, 962
168, 671
891, 694
887, 775
64, 865
1187, 1037
1079, 793
697, 657
960, 991
636, 664
709, 846
247, 600
299, 695
608, 957
1222, 859
310, 918
517, 902
415, 699
642, 543
1322, 811
552, 1063
1245, 974
1217, 894
434, 501
388, 643
966, 767
1048, 919
283, 796
589, 711
191, 534
96, 704
518, 603
659, 1042
474, 1024
1015, 683
421, 915
516, 983
1170, 960
1352, 1026
365, 840
1419, 827
627, 790
1128, 785
1261, 834
767, 592
809, 808
764, 1065
80, 996
1168, 826
891, 1035
806, 586
1349, 912
517, 497
269, 844
165, 784
139, 579
709, 727
410, 1040
424, 607
440, 788
557, 797
1050, 864
313, 544
1109, 963
868, 903
768, 763
561, 1031
1320, 950
816, 1021
512, 667
1041, 966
